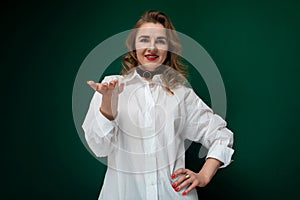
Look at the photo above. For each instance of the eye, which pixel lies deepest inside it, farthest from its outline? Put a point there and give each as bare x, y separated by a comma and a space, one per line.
144, 40
161, 41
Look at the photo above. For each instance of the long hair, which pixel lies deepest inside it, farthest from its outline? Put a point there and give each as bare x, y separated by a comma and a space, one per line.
176, 71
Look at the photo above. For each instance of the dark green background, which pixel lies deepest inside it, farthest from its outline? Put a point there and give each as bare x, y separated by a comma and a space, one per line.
255, 45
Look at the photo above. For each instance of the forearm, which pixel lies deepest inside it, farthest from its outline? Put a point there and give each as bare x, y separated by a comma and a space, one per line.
106, 109
209, 169
99, 131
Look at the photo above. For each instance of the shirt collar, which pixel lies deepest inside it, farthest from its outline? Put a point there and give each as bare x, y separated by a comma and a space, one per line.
135, 76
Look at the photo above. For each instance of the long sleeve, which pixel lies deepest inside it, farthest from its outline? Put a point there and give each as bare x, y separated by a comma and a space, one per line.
100, 132
207, 128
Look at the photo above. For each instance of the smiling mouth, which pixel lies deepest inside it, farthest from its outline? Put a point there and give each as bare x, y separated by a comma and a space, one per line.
151, 57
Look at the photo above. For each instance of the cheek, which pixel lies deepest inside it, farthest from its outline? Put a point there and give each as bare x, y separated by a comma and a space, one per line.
140, 45
139, 54
164, 55
163, 46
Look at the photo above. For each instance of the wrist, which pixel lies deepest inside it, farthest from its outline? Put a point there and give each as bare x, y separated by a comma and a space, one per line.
106, 105
106, 114
203, 178
208, 171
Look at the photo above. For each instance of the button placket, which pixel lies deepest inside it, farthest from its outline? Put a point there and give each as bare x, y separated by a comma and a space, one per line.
151, 162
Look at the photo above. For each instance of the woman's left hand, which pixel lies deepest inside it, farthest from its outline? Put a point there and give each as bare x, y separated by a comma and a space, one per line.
190, 179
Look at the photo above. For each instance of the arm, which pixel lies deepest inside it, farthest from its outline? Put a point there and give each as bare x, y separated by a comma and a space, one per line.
210, 130
100, 132
207, 171
99, 126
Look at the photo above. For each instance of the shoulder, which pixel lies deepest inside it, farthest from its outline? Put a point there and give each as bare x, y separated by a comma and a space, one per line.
189, 97
184, 91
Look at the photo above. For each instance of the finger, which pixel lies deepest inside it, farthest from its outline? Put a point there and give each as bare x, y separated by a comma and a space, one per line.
111, 85
190, 188
179, 183
121, 87
105, 85
116, 84
185, 183
178, 171
92, 84
116, 81
98, 87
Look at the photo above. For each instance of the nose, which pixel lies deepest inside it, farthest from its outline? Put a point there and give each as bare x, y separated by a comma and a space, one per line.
152, 46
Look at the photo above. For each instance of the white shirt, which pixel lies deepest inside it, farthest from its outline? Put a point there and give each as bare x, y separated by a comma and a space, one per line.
144, 144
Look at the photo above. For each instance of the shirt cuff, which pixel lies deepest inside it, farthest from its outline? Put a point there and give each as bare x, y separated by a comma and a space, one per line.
104, 124
221, 153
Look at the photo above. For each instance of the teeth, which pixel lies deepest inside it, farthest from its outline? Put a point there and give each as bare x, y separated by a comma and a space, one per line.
152, 56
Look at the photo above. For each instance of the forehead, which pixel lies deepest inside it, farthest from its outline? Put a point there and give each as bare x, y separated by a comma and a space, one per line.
151, 29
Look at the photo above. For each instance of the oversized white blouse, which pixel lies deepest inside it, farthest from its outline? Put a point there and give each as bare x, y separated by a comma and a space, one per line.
144, 144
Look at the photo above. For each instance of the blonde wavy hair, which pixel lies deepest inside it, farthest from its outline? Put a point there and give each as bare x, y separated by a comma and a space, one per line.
176, 72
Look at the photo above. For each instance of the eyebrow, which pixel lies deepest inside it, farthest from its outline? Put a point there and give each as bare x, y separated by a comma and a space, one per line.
146, 36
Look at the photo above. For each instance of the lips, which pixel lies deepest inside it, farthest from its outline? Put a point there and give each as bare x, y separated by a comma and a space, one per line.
151, 57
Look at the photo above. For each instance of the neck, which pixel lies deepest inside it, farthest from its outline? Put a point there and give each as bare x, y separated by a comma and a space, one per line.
149, 74
149, 68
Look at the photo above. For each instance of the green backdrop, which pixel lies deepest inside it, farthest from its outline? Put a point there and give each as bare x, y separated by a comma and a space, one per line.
255, 45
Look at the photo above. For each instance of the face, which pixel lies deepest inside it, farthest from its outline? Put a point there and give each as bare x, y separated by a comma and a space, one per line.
151, 45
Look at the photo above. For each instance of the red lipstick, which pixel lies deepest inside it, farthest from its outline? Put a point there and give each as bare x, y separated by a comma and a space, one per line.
151, 57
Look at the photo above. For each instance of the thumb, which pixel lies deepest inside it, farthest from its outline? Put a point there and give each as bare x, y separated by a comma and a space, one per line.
92, 84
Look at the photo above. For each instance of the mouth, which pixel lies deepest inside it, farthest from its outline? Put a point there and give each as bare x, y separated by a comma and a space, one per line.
151, 57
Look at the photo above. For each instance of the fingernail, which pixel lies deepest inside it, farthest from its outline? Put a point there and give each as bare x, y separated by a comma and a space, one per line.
184, 193
173, 176
177, 188
174, 185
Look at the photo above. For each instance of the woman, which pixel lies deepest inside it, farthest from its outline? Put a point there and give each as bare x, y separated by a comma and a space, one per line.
140, 119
